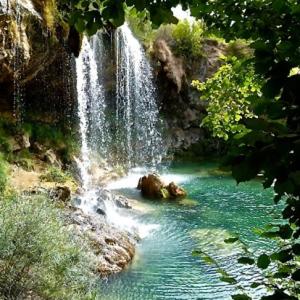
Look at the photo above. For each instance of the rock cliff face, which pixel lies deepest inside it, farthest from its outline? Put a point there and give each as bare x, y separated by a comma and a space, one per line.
34, 56
179, 101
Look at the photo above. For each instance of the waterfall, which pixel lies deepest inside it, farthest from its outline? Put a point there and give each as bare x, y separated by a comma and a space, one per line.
91, 107
137, 116
135, 140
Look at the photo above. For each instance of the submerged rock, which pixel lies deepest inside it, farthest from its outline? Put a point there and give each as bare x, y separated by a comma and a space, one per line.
152, 186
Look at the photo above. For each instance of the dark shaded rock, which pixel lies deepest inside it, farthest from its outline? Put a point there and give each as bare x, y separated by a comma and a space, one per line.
100, 211
74, 41
61, 193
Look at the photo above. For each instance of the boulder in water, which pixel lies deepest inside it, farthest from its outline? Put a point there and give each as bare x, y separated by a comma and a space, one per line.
152, 186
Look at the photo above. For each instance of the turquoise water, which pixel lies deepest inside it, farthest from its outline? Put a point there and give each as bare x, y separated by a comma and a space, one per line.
215, 209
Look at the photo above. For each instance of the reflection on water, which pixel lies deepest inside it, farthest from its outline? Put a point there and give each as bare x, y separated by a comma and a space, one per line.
215, 209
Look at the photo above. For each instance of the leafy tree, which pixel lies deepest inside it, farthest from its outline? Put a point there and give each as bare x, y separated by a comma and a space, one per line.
228, 95
272, 145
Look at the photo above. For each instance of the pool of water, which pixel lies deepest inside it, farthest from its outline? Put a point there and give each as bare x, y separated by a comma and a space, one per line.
215, 208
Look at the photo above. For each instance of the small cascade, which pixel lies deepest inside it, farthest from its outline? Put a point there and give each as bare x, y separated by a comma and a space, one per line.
137, 115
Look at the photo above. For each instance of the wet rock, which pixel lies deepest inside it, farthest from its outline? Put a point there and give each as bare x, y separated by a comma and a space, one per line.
51, 158
152, 186
100, 211
112, 248
122, 202
175, 191
61, 193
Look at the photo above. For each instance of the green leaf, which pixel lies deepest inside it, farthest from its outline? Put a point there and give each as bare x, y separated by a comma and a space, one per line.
296, 249
296, 275
285, 232
281, 275
254, 285
80, 25
241, 297
246, 261
282, 256
263, 261
228, 279
231, 240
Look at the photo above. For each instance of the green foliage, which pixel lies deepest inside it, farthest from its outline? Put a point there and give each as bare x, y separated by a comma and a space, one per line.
188, 38
3, 175
140, 24
55, 174
89, 16
38, 255
185, 38
272, 145
229, 93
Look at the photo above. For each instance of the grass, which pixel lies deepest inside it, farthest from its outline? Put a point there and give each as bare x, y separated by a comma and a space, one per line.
55, 174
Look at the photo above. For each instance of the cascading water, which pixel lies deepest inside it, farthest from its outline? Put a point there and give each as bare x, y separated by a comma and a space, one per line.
91, 107
138, 136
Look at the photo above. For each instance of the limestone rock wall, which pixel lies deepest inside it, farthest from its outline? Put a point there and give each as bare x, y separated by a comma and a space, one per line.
36, 55
180, 104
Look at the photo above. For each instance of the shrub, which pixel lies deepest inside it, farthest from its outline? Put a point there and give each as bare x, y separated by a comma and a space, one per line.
55, 174
38, 256
3, 175
185, 38
188, 38
140, 24
229, 95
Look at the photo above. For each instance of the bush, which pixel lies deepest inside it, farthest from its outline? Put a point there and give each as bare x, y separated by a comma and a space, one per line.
140, 24
229, 95
185, 38
55, 174
38, 256
188, 38
3, 175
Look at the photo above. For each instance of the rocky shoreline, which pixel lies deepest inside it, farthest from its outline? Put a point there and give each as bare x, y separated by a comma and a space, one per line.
112, 248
